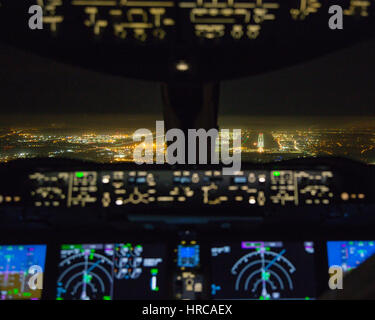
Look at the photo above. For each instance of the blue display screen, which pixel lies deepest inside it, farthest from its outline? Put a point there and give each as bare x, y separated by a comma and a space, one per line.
188, 256
349, 254
15, 261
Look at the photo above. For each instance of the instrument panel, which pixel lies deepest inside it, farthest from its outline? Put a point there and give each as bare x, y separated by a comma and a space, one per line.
127, 192
147, 21
147, 188
178, 188
184, 40
96, 234
226, 269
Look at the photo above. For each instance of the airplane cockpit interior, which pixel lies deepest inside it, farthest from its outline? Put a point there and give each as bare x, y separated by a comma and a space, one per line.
187, 149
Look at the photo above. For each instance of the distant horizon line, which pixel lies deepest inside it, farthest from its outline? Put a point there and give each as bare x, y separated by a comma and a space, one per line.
121, 121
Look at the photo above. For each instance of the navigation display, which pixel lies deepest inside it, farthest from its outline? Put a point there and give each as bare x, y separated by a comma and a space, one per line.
263, 270
111, 271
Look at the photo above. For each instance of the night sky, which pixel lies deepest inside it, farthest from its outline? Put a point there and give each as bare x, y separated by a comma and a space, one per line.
341, 83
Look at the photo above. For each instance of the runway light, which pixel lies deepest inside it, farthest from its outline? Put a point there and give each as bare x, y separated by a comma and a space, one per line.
182, 66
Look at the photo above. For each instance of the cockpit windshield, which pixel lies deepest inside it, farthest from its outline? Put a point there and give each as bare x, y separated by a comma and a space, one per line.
323, 107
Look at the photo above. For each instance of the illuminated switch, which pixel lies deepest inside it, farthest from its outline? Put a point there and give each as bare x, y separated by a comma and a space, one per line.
252, 200
198, 287
345, 196
261, 198
195, 178
105, 179
251, 178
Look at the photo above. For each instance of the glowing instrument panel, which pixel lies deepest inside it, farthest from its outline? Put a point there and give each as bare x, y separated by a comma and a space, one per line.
122, 19
207, 188
163, 188
210, 39
163, 20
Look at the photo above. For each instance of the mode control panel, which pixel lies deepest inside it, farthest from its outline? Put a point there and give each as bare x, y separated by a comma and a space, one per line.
176, 188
